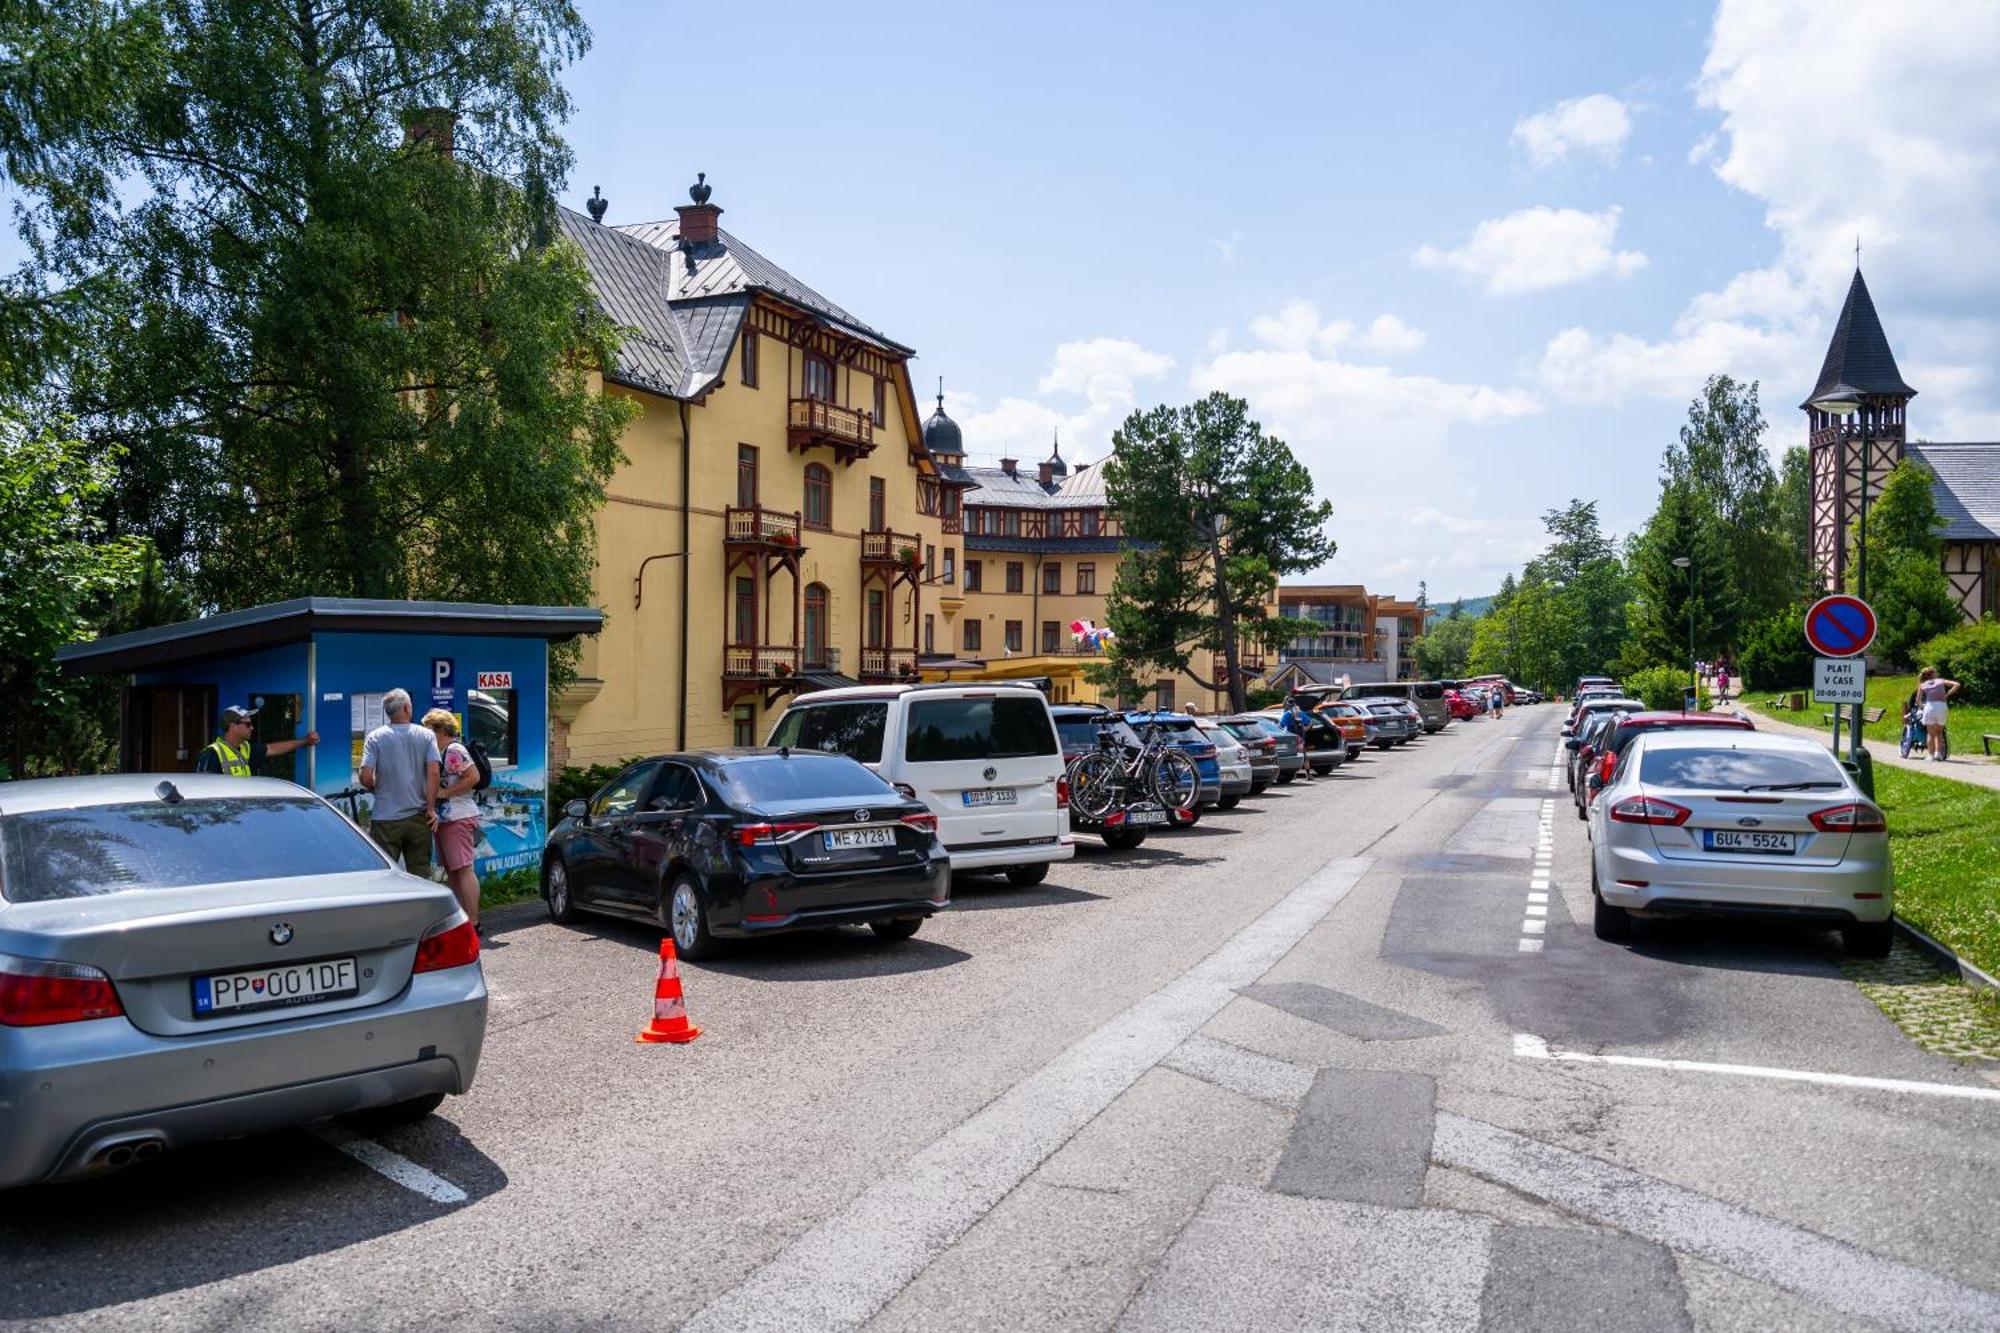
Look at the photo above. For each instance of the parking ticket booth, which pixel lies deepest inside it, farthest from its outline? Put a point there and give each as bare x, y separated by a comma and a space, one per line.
323, 664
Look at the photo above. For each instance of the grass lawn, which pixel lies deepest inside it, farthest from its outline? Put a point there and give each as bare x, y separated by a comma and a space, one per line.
1965, 722
1945, 839
510, 886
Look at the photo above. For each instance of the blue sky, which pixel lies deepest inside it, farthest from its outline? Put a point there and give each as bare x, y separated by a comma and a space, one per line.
1569, 215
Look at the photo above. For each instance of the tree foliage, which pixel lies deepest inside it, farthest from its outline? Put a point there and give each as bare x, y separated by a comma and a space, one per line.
1907, 586
1677, 611
1442, 654
1215, 511
59, 578
1721, 463
328, 360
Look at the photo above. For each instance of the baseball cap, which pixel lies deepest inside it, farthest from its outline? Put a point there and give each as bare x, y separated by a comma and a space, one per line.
232, 715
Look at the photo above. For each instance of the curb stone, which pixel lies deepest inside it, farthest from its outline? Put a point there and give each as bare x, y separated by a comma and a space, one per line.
1970, 973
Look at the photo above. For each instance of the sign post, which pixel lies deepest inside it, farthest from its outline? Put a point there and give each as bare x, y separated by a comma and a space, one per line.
1840, 628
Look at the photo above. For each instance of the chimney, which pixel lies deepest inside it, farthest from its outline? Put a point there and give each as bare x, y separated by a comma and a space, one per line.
698, 225
1007, 465
1046, 474
429, 125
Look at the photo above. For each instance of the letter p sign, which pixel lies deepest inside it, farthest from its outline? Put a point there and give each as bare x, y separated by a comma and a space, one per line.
443, 682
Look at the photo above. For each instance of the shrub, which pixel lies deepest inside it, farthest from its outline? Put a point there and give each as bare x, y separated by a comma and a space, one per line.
1969, 654
577, 784
1661, 687
1913, 602
1776, 655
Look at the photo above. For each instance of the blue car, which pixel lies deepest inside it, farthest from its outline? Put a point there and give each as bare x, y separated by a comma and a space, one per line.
1181, 730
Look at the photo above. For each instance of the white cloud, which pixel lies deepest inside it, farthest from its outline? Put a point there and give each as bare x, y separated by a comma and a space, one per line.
1843, 126
1598, 125
1297, 327
1538, 248
1104, 373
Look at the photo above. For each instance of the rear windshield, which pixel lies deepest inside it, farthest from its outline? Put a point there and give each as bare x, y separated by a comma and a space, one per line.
1723, 769
1078, 733
853, 729
1247, 731
1005, 727
1427, 689
97, 849
1384, 691
778, 780
1623, 737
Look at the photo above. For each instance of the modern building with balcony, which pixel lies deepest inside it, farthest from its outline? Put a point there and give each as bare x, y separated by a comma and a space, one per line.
1358, 635
777, 525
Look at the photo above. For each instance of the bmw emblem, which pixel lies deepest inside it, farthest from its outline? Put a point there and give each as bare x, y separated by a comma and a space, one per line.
1748, 822
863, 816
281, 933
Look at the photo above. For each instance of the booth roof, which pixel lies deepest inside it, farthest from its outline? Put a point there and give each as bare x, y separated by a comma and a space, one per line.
277, 623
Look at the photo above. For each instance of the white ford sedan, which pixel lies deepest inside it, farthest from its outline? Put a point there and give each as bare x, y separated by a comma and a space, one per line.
1739, 823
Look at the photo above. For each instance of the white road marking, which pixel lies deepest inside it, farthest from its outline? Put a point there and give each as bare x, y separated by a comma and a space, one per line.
1530, 1047
1533, 927
1530, 945
846, 1268
1538, 897
1228, 1066
394, 1166
1538, 909
1848, 1278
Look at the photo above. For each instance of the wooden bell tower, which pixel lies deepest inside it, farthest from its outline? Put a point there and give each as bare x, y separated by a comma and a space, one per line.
1861, 370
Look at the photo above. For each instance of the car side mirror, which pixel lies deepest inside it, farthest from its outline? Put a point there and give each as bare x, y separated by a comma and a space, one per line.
1595, 782
577, 810
1571, 744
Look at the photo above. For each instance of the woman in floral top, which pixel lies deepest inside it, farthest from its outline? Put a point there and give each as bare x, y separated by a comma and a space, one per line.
458, 812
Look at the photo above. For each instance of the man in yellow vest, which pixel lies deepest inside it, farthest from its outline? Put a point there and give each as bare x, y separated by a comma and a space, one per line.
235, 753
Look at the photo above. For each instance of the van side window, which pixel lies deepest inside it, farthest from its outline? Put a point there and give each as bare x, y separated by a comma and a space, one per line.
989, 728
853, 729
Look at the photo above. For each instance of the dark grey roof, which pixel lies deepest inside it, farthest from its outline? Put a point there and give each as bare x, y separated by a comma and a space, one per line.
630, 280
727, 267
711, 326
277, 623
941, 433
1020, 491
955, 474
1967, 489
1858, 358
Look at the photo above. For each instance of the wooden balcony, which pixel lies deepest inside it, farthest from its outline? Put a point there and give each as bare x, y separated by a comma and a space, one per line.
758, 526
888, 664
1252, 663
849, 433
759, 661
880, 546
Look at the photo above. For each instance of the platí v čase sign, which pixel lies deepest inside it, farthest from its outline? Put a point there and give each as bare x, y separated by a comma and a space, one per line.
1839, 680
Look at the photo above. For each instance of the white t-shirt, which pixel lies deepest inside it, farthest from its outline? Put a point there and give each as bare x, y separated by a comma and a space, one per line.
457, 762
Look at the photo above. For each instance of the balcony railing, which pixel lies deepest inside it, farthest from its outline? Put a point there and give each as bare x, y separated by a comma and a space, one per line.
879, 546
888, 663
822, 659
759, 661
1251, 663
845, 429
757, 525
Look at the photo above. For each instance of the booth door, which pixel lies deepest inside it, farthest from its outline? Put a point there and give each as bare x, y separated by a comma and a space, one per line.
171, 723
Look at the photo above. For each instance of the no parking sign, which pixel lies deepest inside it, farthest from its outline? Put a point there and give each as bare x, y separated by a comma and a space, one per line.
1840, 626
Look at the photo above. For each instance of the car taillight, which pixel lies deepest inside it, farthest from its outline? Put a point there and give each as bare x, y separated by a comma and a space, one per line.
34, 993
1268, 747
1607, 765
1062, 793
1649, 810
925, 823
770, 835
1855, 817
452, 942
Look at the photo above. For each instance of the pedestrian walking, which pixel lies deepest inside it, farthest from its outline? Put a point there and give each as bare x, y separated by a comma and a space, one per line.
1934, 690
235, 753
1499, 699
399, 763
1298, 720
1722, 682
457, 811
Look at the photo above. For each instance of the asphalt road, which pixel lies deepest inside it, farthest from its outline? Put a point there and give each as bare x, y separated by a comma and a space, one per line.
1346, 1057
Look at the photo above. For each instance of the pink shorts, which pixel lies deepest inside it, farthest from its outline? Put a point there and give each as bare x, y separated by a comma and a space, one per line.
455, 841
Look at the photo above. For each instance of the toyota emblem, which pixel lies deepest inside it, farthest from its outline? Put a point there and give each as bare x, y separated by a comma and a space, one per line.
281, 933
863, 816
990, 773
1748, 822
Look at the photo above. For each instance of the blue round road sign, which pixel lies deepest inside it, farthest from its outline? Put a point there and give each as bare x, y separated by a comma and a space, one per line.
1840, 626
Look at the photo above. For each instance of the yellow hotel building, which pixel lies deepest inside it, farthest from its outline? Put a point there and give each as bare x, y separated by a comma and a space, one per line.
777, 524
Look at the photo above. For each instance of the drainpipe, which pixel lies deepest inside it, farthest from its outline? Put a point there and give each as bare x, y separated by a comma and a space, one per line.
687, 453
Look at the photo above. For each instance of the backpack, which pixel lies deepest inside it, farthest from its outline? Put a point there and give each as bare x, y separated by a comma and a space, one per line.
482, 763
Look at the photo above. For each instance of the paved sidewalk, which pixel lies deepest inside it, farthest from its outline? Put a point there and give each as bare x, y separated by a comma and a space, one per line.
1960, 769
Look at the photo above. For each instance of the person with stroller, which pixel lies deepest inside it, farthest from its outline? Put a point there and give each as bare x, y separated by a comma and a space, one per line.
1932, 692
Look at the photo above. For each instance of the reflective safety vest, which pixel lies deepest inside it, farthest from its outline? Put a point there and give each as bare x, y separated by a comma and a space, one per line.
236, 765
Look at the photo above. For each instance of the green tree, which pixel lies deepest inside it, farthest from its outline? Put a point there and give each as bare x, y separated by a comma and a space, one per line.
1794, 521
1720, 458
1528, 640
59, 577
1907, 587
1582, 568
1682, 526
317, 309
1216, 512
1443, 653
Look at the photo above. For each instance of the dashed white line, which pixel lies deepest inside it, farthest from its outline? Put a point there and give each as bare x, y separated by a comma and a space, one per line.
391, 1165
1530, 1047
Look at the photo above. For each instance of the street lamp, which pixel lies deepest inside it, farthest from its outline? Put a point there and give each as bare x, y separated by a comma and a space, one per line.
1694, 681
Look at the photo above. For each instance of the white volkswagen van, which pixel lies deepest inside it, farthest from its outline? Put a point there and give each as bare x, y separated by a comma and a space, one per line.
984, 756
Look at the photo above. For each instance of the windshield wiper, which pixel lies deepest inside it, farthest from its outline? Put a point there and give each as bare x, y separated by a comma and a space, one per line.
1794, 786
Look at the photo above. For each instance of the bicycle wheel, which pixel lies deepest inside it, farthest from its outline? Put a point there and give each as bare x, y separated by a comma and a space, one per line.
1093, 785
1175, 780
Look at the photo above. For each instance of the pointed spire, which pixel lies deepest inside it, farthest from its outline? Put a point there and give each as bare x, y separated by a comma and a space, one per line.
1858, 356
1056, 464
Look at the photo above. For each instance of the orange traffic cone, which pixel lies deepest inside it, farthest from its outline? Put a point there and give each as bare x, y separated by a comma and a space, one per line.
670, 1014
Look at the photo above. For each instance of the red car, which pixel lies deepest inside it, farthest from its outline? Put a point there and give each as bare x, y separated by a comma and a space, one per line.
1600, 765
1459, 706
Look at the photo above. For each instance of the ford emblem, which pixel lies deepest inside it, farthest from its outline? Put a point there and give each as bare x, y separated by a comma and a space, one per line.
1748, 822
863, 816
281, 933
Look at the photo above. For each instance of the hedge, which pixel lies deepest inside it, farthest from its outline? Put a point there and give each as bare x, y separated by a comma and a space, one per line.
1970, 655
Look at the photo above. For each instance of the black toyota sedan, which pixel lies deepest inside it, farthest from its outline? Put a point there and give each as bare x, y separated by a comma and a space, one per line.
743, 842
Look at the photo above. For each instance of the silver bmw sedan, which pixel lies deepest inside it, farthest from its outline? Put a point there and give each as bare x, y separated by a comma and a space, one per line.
187, 957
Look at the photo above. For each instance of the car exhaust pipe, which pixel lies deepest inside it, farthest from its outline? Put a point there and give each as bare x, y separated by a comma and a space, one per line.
128, 1153
147, 1150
